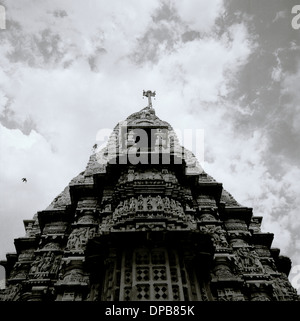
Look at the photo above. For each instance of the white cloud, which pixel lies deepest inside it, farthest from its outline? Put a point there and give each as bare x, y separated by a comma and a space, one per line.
291, 88
185, 67
199, 15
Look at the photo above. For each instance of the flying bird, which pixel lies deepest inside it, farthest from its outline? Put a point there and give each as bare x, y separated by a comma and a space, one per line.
24, 179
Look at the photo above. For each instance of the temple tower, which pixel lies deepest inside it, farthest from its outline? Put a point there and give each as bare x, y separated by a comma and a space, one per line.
145, 222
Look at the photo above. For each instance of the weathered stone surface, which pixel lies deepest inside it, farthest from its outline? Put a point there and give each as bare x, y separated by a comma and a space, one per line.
61, 201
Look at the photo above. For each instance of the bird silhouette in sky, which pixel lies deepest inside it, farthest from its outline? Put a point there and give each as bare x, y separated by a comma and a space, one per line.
24, 179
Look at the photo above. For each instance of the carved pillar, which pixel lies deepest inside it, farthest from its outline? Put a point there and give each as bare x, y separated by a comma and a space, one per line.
73, 282
225, 283
192, 291
110, 291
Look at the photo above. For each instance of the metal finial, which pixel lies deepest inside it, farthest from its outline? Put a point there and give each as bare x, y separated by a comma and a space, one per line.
149, 94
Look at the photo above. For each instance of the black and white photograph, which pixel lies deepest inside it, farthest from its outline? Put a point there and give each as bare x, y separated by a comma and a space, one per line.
149, 153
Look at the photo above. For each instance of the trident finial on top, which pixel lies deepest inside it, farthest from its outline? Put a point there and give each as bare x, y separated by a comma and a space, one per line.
149, 94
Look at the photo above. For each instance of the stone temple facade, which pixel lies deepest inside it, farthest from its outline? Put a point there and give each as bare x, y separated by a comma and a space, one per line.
144, 222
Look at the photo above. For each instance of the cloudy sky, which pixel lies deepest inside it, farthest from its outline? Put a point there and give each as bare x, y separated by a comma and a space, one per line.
70, 68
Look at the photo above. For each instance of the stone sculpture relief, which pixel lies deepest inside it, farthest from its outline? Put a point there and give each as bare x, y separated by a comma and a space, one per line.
248, 260
217, 234
79, 237
149, 203
45, 265
12, 292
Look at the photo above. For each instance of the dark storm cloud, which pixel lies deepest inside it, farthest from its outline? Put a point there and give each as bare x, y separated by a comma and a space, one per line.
261, 80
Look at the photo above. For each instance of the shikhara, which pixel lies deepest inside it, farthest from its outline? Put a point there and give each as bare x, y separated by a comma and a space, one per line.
145, 231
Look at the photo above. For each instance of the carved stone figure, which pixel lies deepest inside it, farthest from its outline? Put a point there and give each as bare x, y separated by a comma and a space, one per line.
122, 179
149, 203
46, 262
125, 206
217, 234
140, 202
72, 240
173, 204
130, 175
137, 176
219, 237
248, 261
132, 204
119, 208
55, 265
179, 209
12, 292
78, 238
107, 207
160, 138
167, 203
159, 203
34, 265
